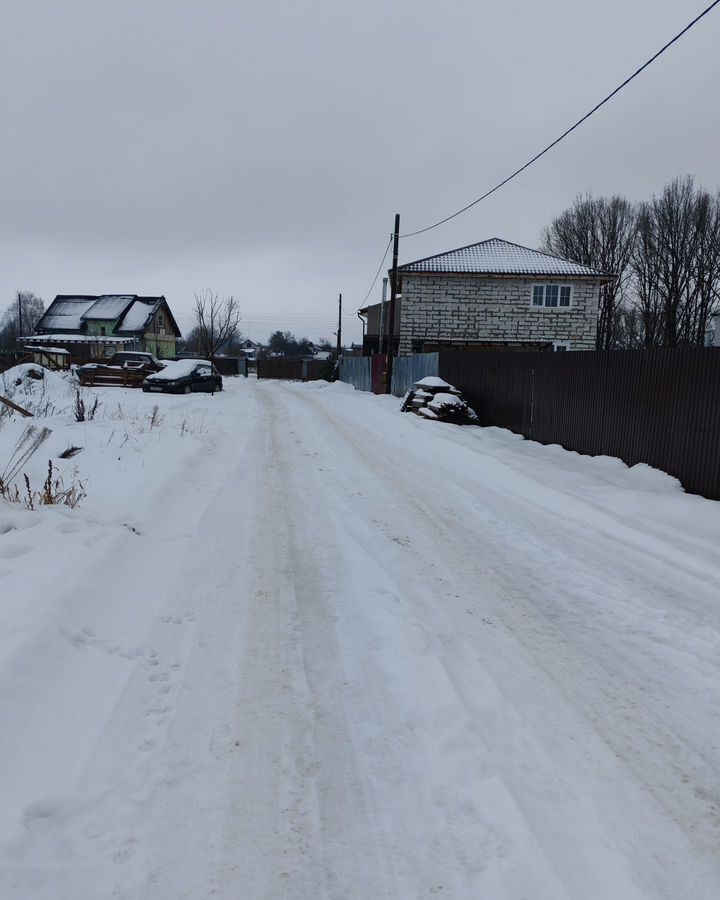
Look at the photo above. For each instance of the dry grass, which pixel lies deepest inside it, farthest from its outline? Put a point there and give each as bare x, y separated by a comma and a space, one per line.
53, 491
69, 452
25, 447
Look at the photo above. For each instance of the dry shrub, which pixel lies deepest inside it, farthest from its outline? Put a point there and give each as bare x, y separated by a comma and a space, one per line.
155, 417
53, 493
24, 448
79, 408
69, 452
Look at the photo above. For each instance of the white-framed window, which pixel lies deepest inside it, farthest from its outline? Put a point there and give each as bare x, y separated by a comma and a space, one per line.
551, 296
563, 346
161, 322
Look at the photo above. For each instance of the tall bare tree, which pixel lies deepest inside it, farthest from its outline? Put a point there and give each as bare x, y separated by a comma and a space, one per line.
707, 272
598, 232
676, 264
217, 321
20, 318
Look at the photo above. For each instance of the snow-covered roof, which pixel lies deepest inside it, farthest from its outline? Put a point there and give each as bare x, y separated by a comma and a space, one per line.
132, 313
77, 339
109, 306
136, 318
498, 257
66, 313
57, 351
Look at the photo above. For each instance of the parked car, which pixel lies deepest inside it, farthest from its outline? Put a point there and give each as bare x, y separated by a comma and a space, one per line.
184, 376
135, 359
120, 365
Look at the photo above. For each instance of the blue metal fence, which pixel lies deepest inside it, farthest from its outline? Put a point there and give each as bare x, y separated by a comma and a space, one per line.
355, 370
409, 369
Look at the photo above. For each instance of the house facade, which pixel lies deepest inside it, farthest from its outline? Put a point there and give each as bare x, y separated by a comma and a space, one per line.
97, 326
497, 294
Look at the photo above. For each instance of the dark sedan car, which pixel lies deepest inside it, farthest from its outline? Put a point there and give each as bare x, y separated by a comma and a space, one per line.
183, 377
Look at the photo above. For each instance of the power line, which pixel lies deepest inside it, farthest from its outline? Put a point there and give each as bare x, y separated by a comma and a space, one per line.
382, 262
569, 130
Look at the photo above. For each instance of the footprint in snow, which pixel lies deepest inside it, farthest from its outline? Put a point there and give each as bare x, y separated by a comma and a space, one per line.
14, 552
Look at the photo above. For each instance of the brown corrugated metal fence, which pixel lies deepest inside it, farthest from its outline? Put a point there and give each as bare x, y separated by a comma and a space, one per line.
660, 407
291, 369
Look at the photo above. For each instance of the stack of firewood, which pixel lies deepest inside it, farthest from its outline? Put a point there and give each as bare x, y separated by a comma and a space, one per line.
433, 398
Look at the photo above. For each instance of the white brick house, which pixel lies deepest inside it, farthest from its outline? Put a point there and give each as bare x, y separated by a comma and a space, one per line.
499, 294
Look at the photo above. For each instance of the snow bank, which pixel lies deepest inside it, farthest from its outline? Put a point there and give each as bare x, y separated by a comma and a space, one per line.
30, 374
42, 395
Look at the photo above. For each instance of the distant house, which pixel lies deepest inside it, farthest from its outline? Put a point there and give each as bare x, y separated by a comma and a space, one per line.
97, 326
496, 294
250, 349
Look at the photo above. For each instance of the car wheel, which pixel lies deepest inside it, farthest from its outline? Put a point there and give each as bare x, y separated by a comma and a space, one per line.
187, 389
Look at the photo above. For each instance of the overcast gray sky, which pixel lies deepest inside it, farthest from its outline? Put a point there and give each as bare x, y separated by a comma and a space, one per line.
262, 148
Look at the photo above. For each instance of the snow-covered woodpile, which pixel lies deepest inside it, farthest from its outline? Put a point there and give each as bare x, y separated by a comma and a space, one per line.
433, 398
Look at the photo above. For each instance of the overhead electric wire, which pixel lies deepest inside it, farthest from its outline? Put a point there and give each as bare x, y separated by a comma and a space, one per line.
382, 262
568, 131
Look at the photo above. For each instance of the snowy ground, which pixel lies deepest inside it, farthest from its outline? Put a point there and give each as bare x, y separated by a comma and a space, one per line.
297, 645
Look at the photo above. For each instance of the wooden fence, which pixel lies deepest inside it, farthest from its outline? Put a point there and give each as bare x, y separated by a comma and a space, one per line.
660, 407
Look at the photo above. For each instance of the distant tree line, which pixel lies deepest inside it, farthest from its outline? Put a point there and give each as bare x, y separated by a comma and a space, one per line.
27, 307
666, 254
286, 344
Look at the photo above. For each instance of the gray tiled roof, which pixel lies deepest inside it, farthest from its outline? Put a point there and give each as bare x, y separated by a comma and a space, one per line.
498, 257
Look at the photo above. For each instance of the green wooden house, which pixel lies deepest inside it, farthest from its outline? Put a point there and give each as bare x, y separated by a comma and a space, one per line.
97, 326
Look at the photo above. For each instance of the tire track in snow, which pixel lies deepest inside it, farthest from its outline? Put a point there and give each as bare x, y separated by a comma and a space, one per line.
612, 700
315, 834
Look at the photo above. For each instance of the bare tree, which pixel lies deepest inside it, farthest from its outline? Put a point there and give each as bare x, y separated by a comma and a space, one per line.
676, 264
598, 232
217, 321
20, 318
646, 300
706, 292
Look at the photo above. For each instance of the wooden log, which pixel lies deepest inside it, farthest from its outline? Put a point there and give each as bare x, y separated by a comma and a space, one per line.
23, 412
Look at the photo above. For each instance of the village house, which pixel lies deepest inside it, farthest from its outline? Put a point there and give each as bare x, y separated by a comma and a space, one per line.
93, 327
495, 294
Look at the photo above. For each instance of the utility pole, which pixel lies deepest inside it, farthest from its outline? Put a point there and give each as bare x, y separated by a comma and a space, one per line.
382, 316
20, 321
339, 331
391, 312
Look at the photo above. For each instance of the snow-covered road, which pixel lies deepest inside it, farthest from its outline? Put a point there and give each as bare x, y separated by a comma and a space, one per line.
325, 650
